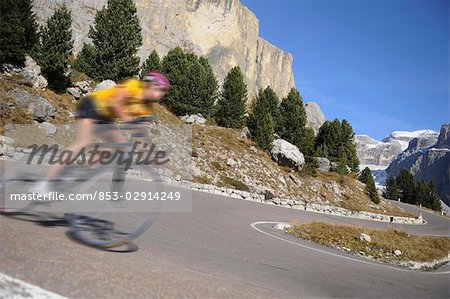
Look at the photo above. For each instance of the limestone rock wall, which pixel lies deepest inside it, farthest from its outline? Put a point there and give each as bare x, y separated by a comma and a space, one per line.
224, 31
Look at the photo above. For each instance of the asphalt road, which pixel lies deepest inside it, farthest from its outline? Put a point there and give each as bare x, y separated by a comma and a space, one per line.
215, 252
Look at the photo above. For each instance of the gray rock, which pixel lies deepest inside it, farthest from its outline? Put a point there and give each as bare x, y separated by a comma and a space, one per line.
324, 164
31, 71
444, 138
244, 133
231, 163
104, 85
282, 226
6, 140
397, 252
364, 237
314, 116
295, 180
50, 129
287, 154
38, 107
194, 119
6, 148
253, 149
74, 92
83, 86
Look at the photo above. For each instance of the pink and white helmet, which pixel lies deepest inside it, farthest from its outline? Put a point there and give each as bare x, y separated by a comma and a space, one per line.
158, 79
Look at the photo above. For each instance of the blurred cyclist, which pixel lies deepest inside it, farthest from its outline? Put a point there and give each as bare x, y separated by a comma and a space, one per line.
124, 102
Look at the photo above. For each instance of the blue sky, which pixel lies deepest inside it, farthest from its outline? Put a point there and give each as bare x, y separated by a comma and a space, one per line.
381, 64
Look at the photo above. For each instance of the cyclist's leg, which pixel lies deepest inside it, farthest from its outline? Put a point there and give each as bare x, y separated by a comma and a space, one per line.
84, 138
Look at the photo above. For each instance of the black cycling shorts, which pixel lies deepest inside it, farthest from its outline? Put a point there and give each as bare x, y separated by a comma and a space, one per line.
86, 109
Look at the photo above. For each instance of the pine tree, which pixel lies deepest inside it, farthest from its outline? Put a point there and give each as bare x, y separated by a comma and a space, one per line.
405, 183
365, 175
208, 92
18, 31
274, 105
29, 23
292, 118
152, 64
260, 122
116, 36
433, 201
86, 60
329, 137
391, 188
231, 105
55, 47
335, 139
194, 85
371, 189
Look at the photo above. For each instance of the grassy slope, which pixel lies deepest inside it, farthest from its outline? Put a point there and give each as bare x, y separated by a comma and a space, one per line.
382, 245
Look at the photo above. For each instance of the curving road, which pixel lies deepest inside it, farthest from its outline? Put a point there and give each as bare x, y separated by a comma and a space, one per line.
213, 252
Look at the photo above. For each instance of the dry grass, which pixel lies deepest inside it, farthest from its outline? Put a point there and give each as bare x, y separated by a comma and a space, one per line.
232, 183
165, 116
382, 245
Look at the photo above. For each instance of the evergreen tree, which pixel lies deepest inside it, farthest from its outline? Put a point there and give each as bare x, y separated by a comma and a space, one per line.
405, 183
335, 139
433, 201
152, 64
274, 105
329, 139
29, 24
292, 118
55, 47
365, 175
260, 122
342, 167
391, 188
231, 105
116, 36
86, 60
18, 31
371, 189
208, 92
194, 86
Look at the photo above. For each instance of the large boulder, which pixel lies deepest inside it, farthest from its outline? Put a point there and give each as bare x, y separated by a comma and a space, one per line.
287, 154
314, 116
38, 107
31, 71
105, 84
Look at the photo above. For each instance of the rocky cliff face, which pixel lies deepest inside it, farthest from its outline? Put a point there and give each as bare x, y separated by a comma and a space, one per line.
314, 116
428, 163
224, 31
382, 153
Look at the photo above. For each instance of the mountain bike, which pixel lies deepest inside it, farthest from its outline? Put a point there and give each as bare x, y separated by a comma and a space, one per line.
104, 228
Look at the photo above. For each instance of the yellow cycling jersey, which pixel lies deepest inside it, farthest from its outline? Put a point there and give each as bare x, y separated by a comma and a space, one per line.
135, 104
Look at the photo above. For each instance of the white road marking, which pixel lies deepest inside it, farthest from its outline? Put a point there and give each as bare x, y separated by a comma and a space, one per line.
15, 288
254, 224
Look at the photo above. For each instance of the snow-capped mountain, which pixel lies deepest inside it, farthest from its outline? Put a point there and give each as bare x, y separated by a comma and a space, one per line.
373, 152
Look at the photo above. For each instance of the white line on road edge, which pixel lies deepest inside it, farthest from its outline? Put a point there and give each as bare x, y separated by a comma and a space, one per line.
15, 288
254, 224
